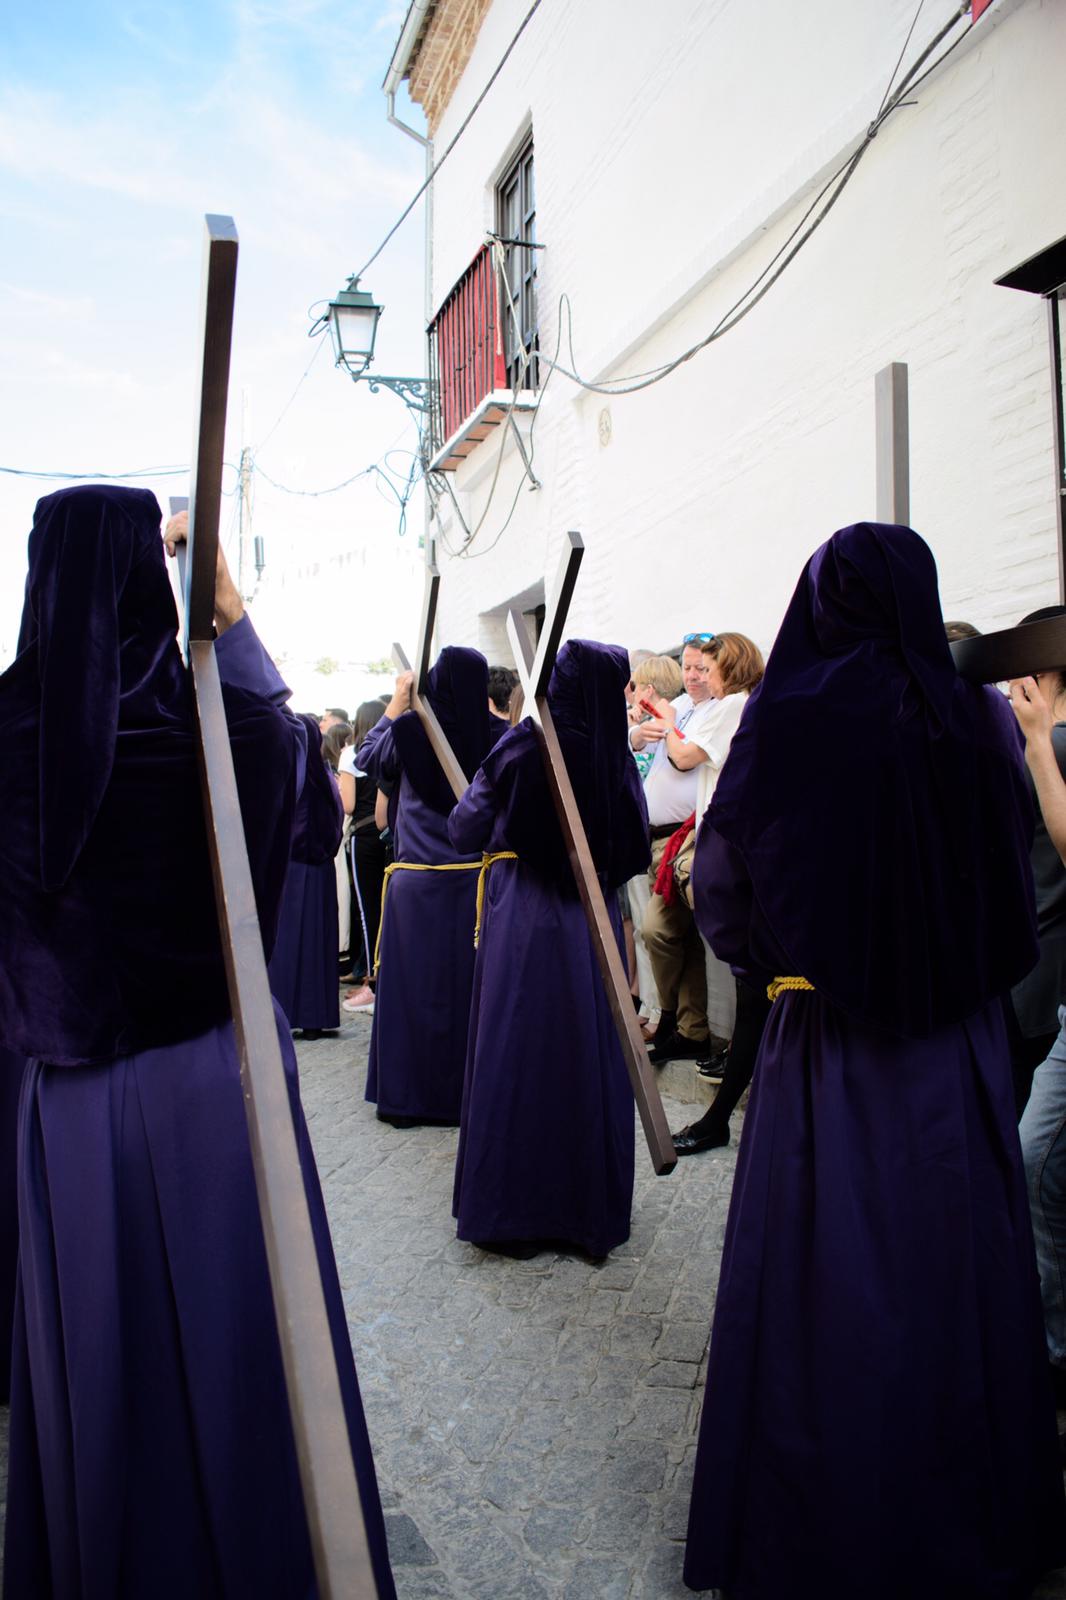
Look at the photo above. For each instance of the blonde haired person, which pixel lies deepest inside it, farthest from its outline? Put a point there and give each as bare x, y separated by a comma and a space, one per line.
653, 676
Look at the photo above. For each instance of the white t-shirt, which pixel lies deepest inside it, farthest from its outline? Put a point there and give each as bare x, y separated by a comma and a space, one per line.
346, 762
714, 735
672, 795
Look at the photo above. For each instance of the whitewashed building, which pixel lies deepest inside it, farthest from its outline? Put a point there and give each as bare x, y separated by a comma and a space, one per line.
661, 155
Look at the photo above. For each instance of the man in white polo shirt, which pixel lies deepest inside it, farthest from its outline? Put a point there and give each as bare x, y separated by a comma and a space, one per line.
670, 790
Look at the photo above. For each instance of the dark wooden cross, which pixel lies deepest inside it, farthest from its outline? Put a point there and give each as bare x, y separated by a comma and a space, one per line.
331, 1495
534, 671
419, 703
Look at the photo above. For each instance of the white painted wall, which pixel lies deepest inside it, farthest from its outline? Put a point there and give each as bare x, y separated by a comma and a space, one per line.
676, 147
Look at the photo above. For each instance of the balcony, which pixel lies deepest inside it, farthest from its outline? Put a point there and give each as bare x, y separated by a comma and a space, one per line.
467, 367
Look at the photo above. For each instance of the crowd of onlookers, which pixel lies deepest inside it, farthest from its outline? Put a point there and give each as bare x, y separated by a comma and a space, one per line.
683, 708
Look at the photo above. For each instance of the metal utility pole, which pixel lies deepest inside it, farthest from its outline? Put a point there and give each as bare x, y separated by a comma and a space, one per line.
244, 489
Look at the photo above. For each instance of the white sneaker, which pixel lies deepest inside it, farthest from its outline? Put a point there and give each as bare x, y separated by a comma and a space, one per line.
359, 999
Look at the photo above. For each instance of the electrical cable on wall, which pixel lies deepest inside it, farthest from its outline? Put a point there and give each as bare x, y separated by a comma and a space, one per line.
829, 193
833, 187
523, 25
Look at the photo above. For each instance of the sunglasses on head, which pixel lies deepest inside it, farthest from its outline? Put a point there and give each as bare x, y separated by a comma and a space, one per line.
698, 638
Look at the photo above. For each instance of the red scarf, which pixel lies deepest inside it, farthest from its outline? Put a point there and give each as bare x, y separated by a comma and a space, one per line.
665, 882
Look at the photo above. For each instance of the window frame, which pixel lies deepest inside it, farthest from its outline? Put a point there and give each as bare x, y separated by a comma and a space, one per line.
516, 219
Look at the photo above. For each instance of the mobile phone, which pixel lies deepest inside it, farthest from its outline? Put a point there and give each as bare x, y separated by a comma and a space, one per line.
646, 705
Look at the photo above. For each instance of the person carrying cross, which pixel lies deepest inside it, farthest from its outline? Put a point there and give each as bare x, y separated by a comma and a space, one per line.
878, 1419
546, 1142
425, 953
152, 1451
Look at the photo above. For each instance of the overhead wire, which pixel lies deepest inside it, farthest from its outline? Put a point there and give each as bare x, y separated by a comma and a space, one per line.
797, 239
402, 218
103, 477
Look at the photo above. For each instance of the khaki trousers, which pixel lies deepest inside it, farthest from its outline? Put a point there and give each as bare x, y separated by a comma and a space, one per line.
677, 956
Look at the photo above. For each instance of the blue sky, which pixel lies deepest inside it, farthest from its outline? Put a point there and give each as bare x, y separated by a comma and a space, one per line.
120, 125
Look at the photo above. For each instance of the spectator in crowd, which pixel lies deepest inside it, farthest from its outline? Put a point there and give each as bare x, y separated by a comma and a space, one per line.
736, 1010
876, 1319
502, 683
422, 1000
151, 1444
333, 716
303, 966
368, 856
546, 1141
1033, 1014
651, 676
670, 789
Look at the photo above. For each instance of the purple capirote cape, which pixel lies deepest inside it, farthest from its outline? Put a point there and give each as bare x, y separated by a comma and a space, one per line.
457, 688
303, 967
877, 800
422, 1008
100, 796
588, 709
546, 1133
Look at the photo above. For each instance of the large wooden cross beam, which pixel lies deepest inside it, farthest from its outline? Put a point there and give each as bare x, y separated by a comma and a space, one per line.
534, 671
327, 1474
419, 703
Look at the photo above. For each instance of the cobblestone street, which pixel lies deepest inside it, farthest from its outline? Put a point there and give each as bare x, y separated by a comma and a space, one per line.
534, 1423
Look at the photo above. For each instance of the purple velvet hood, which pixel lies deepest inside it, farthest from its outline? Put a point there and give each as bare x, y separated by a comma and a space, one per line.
879, 801
108, 938
587, 702
457, 688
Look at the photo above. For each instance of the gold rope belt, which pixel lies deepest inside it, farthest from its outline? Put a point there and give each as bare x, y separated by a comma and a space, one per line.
480, 867
785, 985
487, 861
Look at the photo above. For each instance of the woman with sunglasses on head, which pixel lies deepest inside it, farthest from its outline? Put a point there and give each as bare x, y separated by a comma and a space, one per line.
735, 1011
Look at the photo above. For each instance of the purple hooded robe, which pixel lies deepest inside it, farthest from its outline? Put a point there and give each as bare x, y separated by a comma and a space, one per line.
878, 1418
151, 1451
426, 941
546, 1140
303, 967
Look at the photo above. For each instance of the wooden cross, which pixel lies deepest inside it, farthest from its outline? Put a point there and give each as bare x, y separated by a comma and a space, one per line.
892, 424
419, 703
534, 671
327, 1475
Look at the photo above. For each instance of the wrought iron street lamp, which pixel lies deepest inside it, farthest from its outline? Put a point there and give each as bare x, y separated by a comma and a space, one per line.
353, 324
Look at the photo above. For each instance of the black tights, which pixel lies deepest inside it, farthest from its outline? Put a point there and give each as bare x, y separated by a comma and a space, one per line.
753, 1008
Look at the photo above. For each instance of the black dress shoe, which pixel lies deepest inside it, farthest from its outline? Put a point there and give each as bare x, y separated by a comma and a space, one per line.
677, 1048
690, 1141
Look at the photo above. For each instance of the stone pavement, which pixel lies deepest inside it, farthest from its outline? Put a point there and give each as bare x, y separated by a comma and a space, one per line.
534, 1422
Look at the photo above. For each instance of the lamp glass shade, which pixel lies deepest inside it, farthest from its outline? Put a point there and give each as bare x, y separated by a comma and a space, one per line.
353, 322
